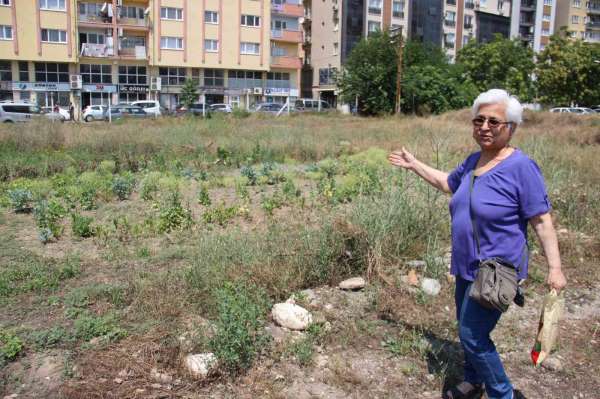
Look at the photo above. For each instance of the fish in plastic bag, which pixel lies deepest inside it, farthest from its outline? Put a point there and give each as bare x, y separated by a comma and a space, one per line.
552, 311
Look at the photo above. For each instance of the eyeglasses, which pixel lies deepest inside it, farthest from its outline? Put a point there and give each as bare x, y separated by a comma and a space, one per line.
493, 123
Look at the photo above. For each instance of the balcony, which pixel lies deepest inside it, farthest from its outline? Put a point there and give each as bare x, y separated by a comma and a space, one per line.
137, 52
451, 2
286, 62
468, 25
96, 50
593, 25
528, 5
449, 23
593, 8
469, 5
374, 11
292, 9
94, 19
526, 22
398, 14
449, 44
284, 35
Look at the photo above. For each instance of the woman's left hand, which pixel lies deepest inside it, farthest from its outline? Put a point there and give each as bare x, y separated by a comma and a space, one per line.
556, 279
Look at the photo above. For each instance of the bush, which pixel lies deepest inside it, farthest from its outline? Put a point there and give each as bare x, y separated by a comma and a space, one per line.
220, 214
239, 328
87, 199
82, 225
122, 187
20, 199
47, 216
203, 197
172, 215
10, 346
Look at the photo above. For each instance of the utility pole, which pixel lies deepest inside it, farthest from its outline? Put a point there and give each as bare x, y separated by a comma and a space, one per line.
397, 33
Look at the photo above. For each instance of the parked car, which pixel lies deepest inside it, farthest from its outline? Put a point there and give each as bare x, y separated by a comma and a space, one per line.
130, 111
310, 105
151, 107
200, 110
115, 113
596, 108
268, 108
11, 112
94, 113
62, 113
223, 108
573, 110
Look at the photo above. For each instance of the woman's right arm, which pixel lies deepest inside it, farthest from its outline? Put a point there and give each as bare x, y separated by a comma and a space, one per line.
406, 160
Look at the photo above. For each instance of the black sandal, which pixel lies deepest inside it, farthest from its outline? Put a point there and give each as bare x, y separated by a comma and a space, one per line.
461, 392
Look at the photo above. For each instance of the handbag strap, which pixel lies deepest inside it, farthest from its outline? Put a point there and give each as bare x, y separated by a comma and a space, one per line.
476, 230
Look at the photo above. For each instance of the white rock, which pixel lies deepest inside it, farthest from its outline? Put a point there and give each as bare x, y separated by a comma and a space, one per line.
163, 378
291, 316
431, 286
416, 264
354, 283
201, 364
13, 396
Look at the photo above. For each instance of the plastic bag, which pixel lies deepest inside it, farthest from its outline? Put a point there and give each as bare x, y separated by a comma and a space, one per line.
552, 311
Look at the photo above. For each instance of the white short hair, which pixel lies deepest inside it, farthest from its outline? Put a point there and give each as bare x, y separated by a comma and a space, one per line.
514, 109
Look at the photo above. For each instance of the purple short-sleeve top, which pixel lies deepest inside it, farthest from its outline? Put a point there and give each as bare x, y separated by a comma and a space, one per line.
503, 200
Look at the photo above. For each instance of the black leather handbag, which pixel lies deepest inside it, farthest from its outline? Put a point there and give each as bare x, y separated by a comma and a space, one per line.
497, 281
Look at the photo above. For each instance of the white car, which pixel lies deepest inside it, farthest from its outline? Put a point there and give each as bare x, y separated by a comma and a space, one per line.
151, 107
63, 114
225, 108
94, 113
573, 110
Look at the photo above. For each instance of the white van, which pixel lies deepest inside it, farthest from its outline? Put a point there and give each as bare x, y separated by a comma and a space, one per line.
151, 107
11, 112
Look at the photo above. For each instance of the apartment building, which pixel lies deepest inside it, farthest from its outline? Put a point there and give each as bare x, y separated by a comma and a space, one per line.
533, 22
387, 15
580, 18
89, 52
492, 17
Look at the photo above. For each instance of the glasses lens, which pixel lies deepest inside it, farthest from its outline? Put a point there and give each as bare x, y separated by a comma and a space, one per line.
493, 122
478, 122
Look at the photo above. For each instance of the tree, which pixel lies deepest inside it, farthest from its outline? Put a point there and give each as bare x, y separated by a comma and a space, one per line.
501, 63
370, 75
189, 93
566, 72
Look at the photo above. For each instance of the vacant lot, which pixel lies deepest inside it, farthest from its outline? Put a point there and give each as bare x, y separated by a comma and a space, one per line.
126, 247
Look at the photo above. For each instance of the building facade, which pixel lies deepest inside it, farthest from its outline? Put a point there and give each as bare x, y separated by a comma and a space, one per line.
84, 52
533, 22
387, 15
580, 19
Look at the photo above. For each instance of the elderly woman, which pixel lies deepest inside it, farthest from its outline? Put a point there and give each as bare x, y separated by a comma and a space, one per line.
508, 192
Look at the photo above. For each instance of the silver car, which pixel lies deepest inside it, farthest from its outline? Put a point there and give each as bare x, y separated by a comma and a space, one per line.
11, 112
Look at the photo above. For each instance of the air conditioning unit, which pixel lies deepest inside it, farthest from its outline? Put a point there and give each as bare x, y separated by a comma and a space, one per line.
258, 91
155, 84
76, 83
119, 3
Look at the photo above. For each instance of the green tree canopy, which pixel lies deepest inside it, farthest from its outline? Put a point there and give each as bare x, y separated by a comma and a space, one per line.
189, 93
566, 72
370, 74
501, 63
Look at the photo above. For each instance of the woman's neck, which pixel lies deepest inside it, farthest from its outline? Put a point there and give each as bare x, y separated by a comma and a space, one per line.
495, 154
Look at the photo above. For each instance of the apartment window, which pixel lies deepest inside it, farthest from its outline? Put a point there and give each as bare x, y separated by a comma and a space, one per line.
171, 43
90, 9
92, 73
244, 79
546, 17
51, 72
249, 48
483, 3
335, 48
133, 41
277, 51
468, 21
54, 36
171, 13
5, 32
398, 9
250, 20
91, 37
23, 71
548, 2
577, 3
278, 80
214, 77
132, 12
545, 32
5, 71
196, 76
373, 26
4, 2
211, 17
133, 75
211, 45
57, 5
172, 76
575, 19
375, 7
278, 24
327, 76
449, 40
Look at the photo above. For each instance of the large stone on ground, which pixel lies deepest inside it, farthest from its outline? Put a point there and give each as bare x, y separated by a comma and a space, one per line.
200, 365
354, 283
431, 286
291, 316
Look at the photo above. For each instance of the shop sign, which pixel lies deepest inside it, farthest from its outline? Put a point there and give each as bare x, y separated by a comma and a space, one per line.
133, 89
40, 86
281, 91
99, 88
6, 86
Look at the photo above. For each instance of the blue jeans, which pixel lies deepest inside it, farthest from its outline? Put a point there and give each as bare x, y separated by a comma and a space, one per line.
482, 362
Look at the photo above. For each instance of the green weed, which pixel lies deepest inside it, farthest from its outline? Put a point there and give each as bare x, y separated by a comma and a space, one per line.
82, 225
219, 214
122, 186
10, 346
203, 196
88, 326
20, 199
172, 215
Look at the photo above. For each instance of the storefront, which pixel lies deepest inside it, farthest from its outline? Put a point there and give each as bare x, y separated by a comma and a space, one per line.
280, 95
6, 93
130, 93
97, 94
47, 94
